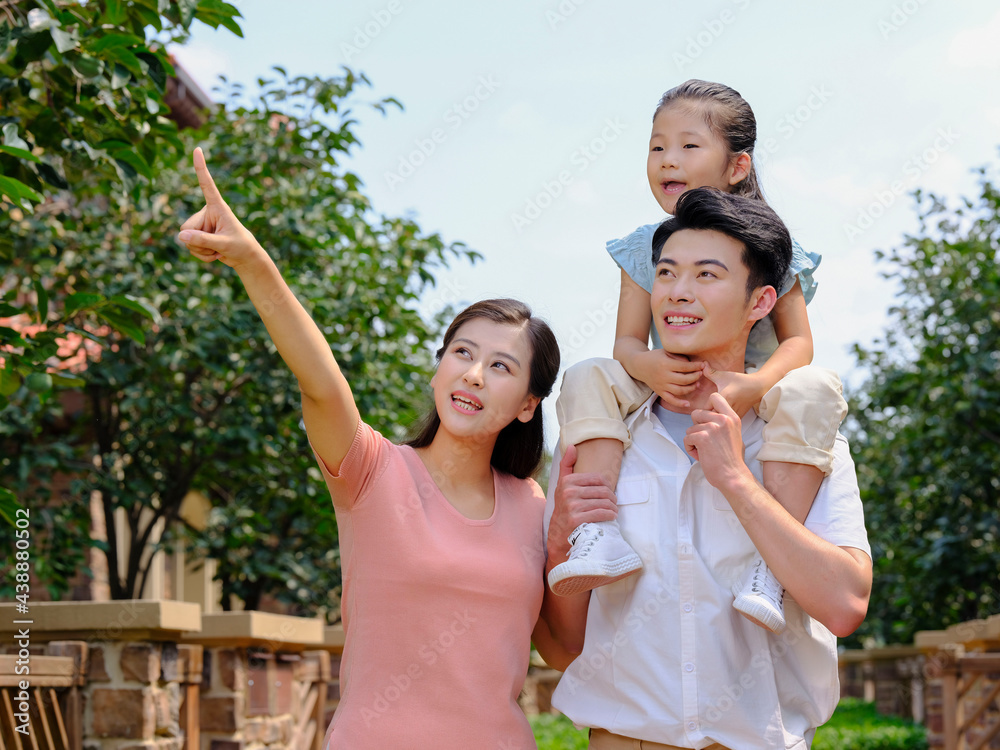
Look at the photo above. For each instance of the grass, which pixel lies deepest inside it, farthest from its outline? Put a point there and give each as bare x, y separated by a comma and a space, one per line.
556, 732
854, 726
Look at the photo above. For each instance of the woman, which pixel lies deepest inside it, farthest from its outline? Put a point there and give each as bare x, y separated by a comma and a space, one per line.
441, 539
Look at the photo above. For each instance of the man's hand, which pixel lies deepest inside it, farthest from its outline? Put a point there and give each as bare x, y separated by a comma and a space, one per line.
215, 232
742, 391
671, 376
579, 498
716, 441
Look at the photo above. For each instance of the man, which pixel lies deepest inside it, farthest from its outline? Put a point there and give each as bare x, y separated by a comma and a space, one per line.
663, 657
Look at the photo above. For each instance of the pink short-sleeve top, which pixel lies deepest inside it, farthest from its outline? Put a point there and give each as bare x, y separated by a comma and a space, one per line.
438, 608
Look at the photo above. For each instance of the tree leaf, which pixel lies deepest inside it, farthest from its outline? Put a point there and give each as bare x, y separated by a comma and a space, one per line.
110, 41
43, 300
10, 381
136, 305
120, 76
63, 380
18, 192
20, 153
49, 174
86, 67
11, 138
64, 40
78, 301
188, 9
155, 68
128, 59
114, 12
123, 324
39, 19
5, 36
134, 160
8, 501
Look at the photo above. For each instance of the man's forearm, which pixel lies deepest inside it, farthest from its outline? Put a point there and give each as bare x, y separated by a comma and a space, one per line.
565, 615
830, 583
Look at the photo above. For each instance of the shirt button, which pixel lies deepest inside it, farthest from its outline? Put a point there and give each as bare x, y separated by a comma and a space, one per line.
692, 726
688, 607
689, 667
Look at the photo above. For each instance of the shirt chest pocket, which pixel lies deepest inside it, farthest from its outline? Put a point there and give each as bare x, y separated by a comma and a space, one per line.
643, 510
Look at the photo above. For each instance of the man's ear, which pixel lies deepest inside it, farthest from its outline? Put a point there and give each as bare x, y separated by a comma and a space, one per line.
762, 301
740, 168
528, 410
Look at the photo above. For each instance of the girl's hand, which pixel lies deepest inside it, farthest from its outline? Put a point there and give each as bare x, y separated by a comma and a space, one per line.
741, 391
215, 232
672, 377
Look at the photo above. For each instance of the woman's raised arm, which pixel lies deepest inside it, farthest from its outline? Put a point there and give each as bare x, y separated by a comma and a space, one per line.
214, 233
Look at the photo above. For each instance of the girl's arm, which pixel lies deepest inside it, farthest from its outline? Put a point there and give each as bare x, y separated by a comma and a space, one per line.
328, 408
671, 377
795, 344
795, 349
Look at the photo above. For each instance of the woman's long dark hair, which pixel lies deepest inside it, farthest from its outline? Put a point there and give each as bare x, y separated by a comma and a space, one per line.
519, 446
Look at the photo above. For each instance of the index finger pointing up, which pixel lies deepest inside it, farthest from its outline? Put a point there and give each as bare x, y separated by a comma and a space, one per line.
208, 188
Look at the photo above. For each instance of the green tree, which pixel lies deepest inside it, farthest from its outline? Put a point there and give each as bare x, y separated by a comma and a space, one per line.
82, 110
201, 400
926, 425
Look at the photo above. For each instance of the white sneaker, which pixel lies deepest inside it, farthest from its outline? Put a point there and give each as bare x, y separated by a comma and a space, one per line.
599, 556
759, 597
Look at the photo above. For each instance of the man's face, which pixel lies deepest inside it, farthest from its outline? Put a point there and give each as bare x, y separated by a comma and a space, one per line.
699, 300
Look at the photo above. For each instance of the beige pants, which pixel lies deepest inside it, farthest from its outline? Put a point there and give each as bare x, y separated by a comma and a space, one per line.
803, 410
601, 739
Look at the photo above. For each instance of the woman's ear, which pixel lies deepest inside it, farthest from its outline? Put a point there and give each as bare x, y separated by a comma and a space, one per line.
528, 410
740, 168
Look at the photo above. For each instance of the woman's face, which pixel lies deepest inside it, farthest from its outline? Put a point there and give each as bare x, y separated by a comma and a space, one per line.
481, 383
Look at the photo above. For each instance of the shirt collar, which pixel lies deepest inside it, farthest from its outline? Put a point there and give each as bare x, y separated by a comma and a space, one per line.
645, 413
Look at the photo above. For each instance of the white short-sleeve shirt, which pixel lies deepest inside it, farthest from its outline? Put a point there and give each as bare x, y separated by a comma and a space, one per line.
666, 657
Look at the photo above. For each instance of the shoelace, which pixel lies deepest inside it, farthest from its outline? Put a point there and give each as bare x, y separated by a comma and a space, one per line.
766, 585
584, 539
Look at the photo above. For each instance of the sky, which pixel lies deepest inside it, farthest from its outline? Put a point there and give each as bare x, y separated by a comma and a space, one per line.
526, 125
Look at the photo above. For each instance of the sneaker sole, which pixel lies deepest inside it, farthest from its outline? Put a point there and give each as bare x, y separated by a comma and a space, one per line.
565, 581
761, 618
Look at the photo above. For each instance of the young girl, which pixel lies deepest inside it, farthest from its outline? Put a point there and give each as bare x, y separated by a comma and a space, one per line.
703, 136
441, 539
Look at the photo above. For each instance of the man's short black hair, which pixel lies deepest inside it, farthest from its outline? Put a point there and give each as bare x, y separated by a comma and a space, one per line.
767, 245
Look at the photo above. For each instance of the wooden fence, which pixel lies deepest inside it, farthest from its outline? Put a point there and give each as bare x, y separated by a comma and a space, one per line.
41, 709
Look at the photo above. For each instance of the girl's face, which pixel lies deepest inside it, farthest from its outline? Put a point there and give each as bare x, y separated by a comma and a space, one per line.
685, 154
481, 384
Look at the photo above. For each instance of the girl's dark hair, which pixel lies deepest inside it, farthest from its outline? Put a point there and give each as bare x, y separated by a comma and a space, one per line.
519, 446
728, 116
767, 245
